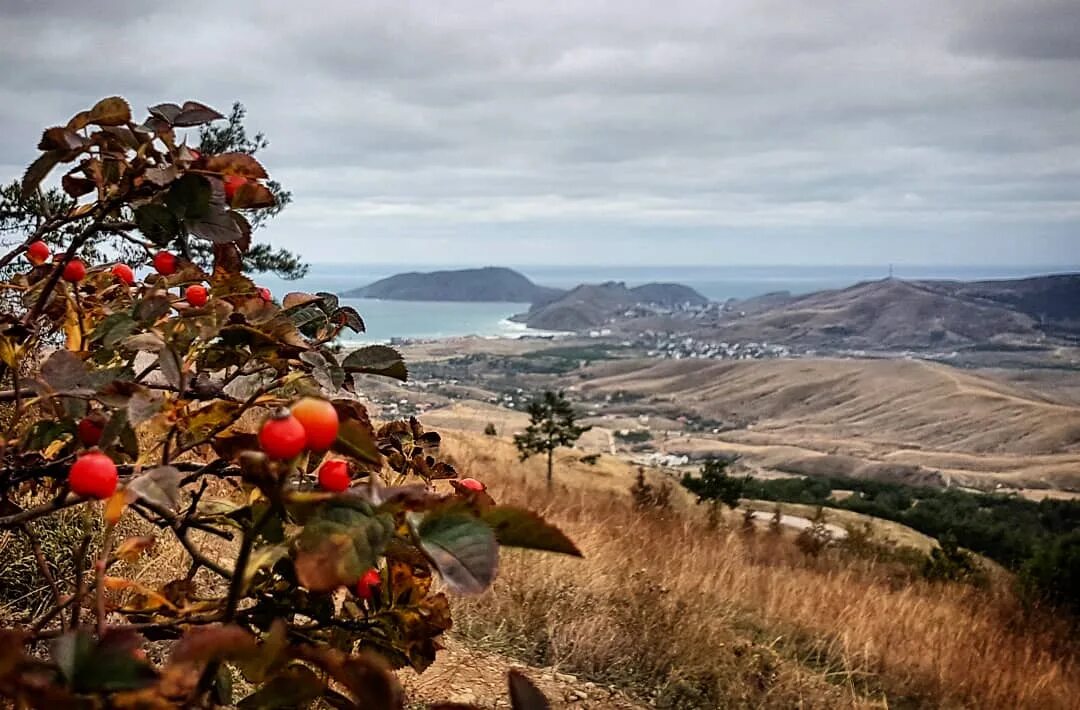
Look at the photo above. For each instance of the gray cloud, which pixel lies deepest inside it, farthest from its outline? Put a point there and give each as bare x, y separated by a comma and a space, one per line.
550, 132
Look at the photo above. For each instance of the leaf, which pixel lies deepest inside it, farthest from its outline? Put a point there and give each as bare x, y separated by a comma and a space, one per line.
366, 676
206, 643
329, 301
61, 138
89, 666
166, 112
113, 329
76, 186
461, 546
157, 223
152, 307
348, 317
296, 298
143, 342
189, 197
219, 227
130, 549
252, 196
113, 111
194, 114
262, 558
64, 371
294, 687
142, 406
240, 164
376, 360
358, 441
524, 695
37, 172
172, 368
114, 507
338, 543
160, 486
518, 527
325, 370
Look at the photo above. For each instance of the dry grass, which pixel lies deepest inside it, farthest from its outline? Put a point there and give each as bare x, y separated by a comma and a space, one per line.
723, 619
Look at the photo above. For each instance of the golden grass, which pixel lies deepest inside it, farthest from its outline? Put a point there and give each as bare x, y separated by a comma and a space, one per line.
723, 619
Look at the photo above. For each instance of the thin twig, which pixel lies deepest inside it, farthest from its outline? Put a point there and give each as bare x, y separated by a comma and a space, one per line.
99, 576
43, 565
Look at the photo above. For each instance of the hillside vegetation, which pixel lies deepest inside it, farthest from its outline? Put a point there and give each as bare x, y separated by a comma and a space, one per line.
695, 618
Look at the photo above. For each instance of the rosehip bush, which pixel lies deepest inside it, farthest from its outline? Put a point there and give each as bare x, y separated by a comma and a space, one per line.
127, 402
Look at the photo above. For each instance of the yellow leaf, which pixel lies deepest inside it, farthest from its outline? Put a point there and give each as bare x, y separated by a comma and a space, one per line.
56, 447
9, 352
130, 549
114, 508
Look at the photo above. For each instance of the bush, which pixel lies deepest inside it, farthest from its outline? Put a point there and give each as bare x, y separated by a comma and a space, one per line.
490, 430
649, 497
196, 379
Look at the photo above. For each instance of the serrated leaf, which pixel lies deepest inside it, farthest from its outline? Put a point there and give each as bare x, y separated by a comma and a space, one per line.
524, 695
219, 226
193, 113
296, 298
160, 486
338, 543
305, 316
325, 370
329, 301
113, 111
189, 197
376, 360
240, 164
461, 546
519, 527
64, 371
157, 223
165, 112
37, 172
61, 138
358, 441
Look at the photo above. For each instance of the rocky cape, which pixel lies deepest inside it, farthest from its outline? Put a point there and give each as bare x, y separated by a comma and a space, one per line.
491, 284
592, 306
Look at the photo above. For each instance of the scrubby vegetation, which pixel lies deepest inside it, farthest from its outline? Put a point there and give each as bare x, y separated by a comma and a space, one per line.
1038, 540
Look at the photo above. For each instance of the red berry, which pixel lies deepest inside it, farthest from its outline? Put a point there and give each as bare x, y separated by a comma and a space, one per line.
196, 295
124, 273
334, 476
232, 184
264, 294
37, 252
89, 429
320, 422
369, 580
165, 263
93, 475
75, 271
282, 436
472, 484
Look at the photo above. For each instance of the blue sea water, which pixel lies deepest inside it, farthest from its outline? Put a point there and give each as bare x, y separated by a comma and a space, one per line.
423, 320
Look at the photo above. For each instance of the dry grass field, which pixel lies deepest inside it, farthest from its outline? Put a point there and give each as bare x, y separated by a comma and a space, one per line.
889, 418
695, 618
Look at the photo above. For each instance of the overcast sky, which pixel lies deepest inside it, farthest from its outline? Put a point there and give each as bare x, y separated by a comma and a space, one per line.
624, 132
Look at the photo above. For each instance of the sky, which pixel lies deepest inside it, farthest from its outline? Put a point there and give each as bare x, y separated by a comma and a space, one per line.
623, 132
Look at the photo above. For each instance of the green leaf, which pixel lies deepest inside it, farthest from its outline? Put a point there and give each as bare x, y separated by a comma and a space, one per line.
329, 301
461, 546
295, 687
376, 360
339, 542
218, 227
189, 197
160, 486
105, 666
358, 441
524, 695
325, 370
113, 329
157, 223
518, 527
113, 111
263, 558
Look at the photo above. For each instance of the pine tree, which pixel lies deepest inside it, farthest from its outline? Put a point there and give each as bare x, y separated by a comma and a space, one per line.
552, 424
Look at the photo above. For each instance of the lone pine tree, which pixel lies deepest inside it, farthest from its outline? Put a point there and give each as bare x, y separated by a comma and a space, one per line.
552, 424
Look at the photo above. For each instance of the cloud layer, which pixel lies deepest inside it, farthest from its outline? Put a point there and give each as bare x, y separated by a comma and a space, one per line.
608, 132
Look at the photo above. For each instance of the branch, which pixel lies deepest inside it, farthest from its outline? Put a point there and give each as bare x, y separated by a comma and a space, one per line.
43, 565
58, 269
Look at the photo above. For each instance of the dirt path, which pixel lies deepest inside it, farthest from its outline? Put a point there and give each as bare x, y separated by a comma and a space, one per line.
466, 675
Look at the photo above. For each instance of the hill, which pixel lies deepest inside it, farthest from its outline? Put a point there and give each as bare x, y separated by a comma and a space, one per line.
592, 305
896, 314
905, 420
491, 283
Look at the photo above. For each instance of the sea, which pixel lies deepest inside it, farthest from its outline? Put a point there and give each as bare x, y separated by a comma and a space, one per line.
421, 320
